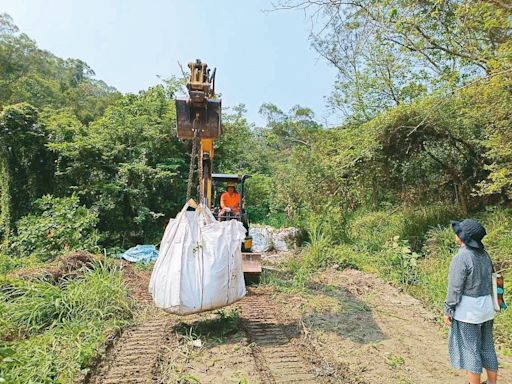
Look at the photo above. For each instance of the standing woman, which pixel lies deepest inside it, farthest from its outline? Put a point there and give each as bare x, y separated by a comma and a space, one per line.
469, 308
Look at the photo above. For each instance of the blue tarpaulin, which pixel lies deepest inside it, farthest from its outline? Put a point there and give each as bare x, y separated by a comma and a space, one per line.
140, 254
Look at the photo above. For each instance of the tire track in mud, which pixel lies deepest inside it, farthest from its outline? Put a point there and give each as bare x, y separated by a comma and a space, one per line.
277, 360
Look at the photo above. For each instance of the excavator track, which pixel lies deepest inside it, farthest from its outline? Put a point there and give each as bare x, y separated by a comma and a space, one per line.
277, 359
140, 354
134, 359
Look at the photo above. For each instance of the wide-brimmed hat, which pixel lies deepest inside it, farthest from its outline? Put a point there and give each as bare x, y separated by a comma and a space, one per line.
471, 232
231, 184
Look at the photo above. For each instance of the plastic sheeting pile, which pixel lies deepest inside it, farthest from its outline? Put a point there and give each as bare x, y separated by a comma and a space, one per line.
199, 267
141, 254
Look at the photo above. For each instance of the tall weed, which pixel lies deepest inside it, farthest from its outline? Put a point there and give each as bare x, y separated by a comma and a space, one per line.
31, 307
53, 331
373, 230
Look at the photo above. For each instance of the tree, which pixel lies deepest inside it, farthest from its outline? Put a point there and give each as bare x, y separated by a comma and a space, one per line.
236, 147
396, 50
30, 74
128, 164
26, 166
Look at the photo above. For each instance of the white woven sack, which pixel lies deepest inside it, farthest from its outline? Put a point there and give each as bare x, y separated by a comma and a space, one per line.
199, 267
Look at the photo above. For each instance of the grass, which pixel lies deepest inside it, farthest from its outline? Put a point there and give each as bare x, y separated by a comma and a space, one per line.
144, 267
395, 361
8, 263
217, 329
51, 333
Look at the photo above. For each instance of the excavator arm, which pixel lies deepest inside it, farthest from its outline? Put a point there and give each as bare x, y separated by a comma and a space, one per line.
199, 118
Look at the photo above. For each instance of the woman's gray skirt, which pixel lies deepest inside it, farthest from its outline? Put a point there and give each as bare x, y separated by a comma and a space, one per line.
471, 346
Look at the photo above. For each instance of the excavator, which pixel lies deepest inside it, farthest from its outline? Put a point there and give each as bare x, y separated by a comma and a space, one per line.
198, 118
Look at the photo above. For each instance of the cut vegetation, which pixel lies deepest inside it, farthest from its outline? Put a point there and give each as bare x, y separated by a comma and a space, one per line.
53, 325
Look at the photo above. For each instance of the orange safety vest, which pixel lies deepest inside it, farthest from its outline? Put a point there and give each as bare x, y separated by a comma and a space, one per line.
230, 201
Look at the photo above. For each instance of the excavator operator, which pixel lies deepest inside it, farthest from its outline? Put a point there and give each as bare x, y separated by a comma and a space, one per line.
230, 201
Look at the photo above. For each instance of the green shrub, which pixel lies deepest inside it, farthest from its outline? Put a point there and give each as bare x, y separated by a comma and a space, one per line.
498, 223
9, 263
323, 254
420, 220
31, 307
58, 223
259, 198
400, 262
372, 230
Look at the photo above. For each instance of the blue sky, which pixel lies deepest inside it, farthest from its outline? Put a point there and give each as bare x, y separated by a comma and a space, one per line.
260, 56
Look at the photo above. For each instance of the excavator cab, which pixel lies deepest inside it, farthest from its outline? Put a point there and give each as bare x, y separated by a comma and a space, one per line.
251, 261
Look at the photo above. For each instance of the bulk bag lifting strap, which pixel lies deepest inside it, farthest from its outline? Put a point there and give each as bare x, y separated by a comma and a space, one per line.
199, 267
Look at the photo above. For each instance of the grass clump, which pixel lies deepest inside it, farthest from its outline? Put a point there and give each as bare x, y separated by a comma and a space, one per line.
224, 324
371, 231
53, 331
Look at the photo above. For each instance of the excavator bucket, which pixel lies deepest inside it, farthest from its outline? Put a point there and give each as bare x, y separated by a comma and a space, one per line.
200, 113
204, 118
251, 266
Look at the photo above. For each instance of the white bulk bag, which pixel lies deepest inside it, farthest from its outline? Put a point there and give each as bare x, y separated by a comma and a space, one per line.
199, 266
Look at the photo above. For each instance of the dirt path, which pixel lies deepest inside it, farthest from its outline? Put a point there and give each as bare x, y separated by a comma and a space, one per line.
379, 333
247, 343
347, 327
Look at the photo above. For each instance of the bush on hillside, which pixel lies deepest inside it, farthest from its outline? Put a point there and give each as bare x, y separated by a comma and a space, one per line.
57, 224
371, 231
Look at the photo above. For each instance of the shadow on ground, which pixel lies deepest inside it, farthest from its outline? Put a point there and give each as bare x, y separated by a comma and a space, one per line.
354, 320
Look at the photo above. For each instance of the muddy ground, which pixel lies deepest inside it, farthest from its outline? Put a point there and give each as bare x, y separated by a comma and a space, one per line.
347, 327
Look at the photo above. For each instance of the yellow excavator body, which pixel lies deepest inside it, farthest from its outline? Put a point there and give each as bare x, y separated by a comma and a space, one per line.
198, 118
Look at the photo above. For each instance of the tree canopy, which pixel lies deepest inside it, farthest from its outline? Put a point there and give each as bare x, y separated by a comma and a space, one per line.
425, 89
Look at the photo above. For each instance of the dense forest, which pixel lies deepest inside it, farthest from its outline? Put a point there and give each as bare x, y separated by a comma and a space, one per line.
424, 95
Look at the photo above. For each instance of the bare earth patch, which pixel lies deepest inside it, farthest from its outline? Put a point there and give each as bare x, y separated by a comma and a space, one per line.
208, 358
348, 327
382, 334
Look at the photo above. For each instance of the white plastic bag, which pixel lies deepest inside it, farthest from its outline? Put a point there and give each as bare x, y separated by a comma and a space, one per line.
199, 267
